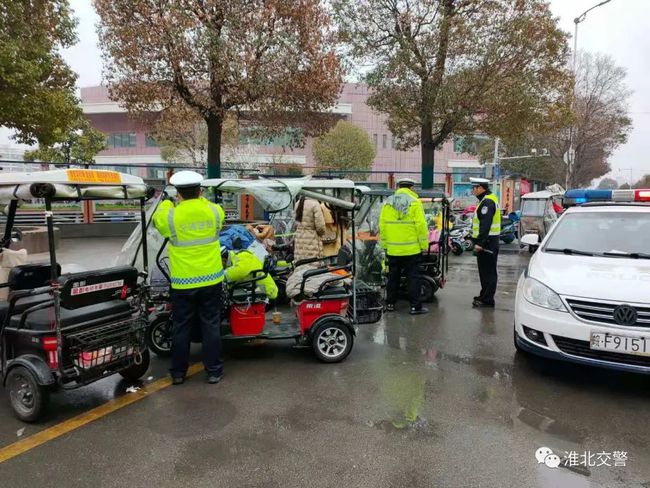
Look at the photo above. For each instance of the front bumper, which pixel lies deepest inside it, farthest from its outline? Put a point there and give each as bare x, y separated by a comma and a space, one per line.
567, 339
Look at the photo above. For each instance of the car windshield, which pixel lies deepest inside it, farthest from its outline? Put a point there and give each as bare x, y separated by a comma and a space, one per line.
533, 208
601, 233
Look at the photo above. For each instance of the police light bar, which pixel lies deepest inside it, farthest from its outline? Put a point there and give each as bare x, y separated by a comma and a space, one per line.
579, 196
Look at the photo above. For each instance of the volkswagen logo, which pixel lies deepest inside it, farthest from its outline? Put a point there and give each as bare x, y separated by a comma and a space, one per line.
625, 315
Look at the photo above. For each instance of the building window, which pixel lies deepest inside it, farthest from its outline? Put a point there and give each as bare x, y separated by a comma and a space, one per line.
374, 139
384, 141
150, 141
121, 139
253, 136
459, 142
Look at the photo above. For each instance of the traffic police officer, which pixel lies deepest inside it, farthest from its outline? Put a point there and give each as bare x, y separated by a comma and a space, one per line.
486, 229
192, 227
403, 234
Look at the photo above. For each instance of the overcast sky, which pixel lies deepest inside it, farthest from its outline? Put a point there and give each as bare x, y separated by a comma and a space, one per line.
618, 28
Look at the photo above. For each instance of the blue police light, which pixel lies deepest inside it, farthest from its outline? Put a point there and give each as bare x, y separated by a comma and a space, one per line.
589, 195
580, 196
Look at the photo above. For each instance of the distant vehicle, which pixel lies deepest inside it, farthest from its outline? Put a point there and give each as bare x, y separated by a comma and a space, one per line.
539, 212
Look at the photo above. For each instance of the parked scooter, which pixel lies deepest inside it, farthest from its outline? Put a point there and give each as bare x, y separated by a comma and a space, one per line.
456, 238
461, 237
509, 227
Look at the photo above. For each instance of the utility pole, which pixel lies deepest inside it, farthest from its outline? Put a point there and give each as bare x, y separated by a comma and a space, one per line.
497, 171
570, 155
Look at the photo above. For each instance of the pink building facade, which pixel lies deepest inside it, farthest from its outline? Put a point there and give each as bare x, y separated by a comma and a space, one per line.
129, 141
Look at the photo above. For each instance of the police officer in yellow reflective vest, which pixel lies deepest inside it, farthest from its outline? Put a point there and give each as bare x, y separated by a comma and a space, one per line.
403, 234
192, 227
486, 229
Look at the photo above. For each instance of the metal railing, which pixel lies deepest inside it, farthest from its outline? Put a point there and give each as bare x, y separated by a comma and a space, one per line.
37, 217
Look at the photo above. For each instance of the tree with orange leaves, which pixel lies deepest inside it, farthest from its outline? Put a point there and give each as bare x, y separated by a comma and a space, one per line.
272, 61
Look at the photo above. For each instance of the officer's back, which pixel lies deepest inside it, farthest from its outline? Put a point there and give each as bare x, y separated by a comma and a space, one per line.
192, 227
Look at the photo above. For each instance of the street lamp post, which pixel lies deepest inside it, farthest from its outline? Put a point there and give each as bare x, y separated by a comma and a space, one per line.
630, 170
571, 154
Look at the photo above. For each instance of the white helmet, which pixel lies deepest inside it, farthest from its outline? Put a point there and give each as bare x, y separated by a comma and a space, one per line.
185, 179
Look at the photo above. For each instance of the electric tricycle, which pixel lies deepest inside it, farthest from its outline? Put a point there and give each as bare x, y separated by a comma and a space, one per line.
539, 212
327, 301
64, 331
433, 265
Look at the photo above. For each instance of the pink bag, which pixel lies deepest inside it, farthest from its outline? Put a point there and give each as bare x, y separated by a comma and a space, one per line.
434, 236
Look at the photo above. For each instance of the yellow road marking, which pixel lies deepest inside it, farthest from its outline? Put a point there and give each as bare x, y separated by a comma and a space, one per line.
28, 443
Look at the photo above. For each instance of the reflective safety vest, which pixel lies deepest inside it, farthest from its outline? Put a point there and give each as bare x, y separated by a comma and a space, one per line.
403, 229
192, 228
242, 264
495, 227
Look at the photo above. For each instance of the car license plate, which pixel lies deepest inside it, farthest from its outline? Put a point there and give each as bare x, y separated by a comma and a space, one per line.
620, 343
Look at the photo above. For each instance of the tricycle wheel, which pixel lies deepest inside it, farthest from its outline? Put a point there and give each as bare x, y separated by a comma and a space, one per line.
532, 249
159, 336
137, 371
428, 289
457, 249
28, 399
332, 341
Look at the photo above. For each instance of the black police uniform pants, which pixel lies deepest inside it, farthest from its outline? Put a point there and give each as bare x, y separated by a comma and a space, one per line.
197, 307
487, 271
407, 265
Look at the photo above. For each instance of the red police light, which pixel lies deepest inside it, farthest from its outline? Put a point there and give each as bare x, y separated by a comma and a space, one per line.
642, 195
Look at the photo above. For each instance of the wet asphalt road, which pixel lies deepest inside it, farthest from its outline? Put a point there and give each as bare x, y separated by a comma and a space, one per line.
437, 400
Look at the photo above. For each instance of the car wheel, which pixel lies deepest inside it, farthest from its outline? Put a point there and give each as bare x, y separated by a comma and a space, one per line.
28, 399
332, 341
159, 336
137, 371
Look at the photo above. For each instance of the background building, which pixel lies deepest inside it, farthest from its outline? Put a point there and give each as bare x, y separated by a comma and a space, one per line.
129, 142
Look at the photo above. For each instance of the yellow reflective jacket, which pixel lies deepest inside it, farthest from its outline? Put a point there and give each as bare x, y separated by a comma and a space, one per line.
495, 225
403, 227
243, 264
192, 228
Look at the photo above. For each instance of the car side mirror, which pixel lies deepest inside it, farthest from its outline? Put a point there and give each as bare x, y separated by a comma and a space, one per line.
530, 240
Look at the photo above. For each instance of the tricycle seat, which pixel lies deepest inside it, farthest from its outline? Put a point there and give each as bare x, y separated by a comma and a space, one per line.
328, 293
93, 314
332, 292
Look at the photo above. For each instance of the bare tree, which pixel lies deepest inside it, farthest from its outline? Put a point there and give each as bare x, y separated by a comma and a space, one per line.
600, 124
601, 116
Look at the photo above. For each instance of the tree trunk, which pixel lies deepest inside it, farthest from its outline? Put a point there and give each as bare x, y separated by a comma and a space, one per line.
428, 150
215, 125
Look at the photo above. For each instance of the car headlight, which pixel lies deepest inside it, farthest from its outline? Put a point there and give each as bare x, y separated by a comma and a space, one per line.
542, 296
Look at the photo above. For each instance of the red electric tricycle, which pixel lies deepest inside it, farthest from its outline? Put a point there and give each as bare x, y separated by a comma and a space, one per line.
323, 316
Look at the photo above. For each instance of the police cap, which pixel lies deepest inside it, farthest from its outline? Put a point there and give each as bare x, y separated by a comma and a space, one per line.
185, 179
405, 182
484, 182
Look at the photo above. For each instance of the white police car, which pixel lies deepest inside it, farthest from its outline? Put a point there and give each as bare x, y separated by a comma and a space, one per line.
585, 296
